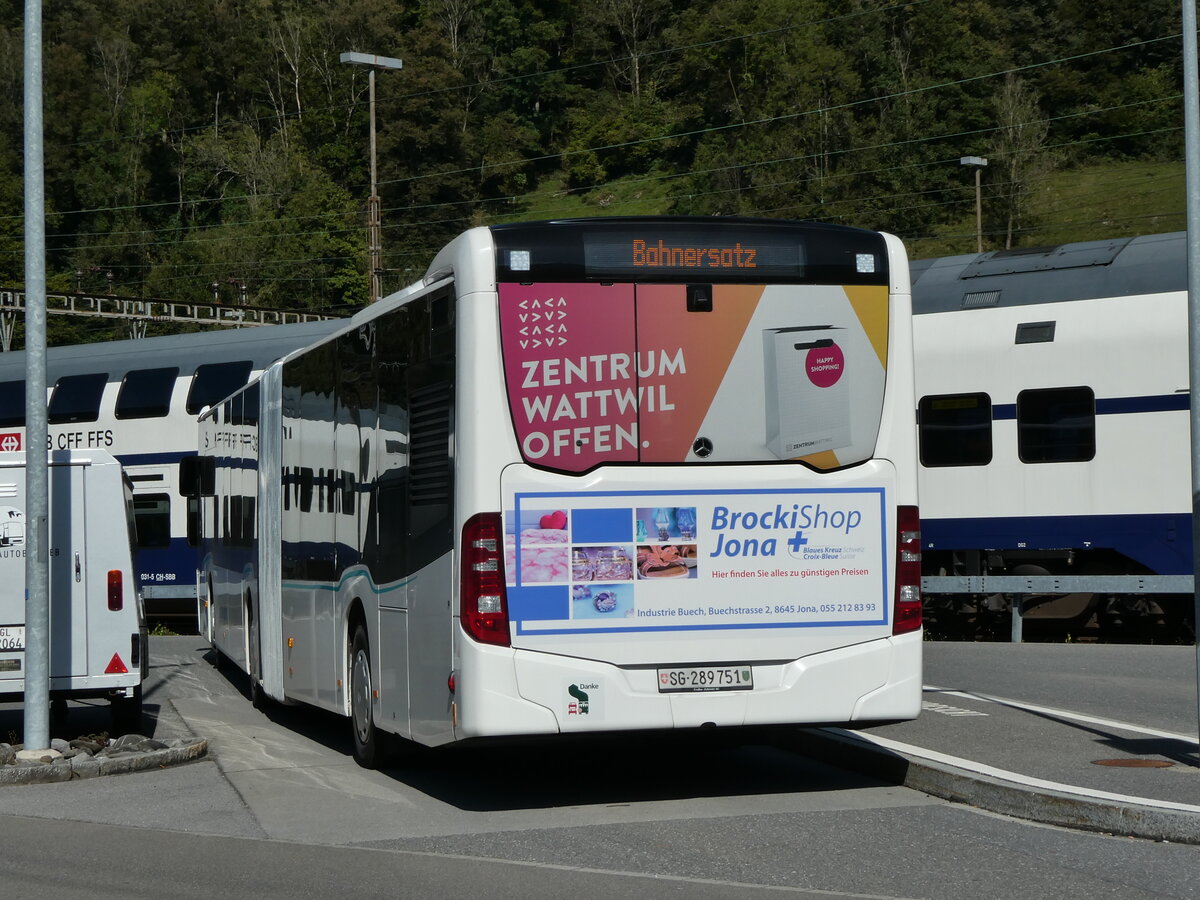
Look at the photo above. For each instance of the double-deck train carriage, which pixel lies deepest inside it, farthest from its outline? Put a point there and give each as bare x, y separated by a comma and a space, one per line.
1052, 391
138, 400
591, 475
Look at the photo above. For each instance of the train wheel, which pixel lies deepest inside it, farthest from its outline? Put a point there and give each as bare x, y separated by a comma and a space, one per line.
366, 738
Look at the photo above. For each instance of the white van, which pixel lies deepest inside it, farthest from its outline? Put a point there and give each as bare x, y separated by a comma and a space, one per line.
97, 624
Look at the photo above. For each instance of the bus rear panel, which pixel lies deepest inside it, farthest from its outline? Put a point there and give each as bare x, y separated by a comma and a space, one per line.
709, 466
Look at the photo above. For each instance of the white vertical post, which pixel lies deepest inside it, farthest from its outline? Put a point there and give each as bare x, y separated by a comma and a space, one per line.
37, 567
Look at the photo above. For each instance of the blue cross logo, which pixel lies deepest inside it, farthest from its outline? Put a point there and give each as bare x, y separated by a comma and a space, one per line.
797, 542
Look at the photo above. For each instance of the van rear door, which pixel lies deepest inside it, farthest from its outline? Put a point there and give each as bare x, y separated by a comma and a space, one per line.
68, 577
68, 569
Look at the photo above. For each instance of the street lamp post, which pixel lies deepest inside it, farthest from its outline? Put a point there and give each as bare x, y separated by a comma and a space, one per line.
374, 228
977, 163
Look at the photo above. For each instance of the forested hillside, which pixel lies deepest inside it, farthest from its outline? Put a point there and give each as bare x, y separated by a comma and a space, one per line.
199, 142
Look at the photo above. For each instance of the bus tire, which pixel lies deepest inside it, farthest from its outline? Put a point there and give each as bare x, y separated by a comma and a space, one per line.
258, 697
367, 740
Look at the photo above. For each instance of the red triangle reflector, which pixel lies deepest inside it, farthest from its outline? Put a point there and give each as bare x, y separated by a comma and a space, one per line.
115, 666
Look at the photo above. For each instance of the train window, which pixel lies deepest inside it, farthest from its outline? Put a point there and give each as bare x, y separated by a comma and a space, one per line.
1056, 425
152, 519
216, 381
76, 398
955, 430
12, 404
146, 393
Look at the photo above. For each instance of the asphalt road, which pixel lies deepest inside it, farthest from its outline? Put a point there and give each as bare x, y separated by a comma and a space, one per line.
280, 810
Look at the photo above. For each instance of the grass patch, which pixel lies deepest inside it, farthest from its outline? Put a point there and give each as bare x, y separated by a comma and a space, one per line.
1089, 203
634, 196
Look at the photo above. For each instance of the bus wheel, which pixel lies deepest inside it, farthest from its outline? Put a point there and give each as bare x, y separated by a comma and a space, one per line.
258, 697
366, 738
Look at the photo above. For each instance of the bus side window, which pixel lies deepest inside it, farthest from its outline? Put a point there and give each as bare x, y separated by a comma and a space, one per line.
197, 479
429, 383
246, 411
386, 546
306, 489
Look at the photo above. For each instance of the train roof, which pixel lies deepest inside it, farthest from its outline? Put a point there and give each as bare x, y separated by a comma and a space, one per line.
1119, 267
260, 344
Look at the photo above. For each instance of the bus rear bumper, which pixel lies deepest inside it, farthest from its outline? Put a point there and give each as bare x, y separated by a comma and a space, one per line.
512, 692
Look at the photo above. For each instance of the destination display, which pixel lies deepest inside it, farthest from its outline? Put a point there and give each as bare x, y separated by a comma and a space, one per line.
691, 250
692, 254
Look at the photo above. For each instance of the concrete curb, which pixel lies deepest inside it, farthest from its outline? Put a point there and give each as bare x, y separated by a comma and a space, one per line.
1050, 804
90, 767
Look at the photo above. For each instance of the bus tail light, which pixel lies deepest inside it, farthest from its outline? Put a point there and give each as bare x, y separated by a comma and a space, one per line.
116, 590
907, 613
483, 605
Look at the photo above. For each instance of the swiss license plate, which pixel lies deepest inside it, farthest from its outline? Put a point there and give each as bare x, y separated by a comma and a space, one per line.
12, 637
705, 678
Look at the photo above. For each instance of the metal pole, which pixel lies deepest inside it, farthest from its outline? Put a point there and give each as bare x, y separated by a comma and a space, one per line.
37, 569
1191, 123
978, 212
373, 217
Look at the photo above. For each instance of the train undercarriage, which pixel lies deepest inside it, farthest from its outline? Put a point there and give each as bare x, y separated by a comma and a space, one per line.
1057, 595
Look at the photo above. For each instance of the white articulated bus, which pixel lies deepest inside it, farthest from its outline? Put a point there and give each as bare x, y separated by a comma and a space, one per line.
588, 475
138, 400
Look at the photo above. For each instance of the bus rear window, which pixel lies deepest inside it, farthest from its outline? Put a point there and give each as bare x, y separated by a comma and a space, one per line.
602, 374
216, 381
76, 398
146, 393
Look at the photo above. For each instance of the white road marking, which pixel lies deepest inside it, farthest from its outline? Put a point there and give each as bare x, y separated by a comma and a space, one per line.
1065, 714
